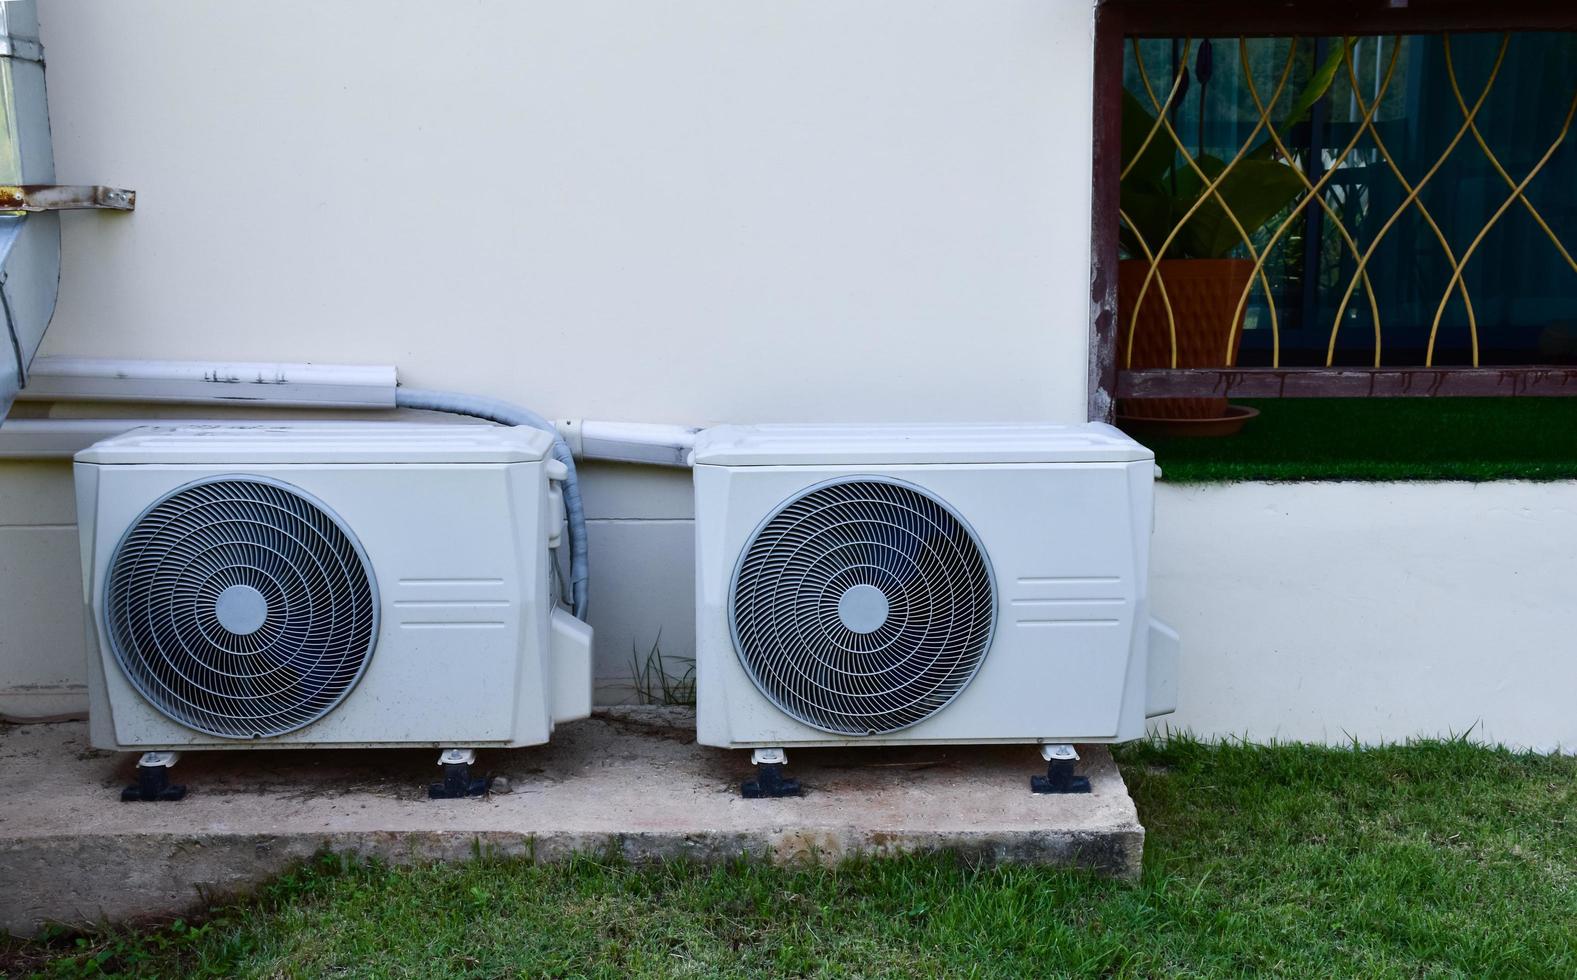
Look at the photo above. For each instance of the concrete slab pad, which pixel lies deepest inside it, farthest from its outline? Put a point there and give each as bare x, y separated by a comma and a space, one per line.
629, 781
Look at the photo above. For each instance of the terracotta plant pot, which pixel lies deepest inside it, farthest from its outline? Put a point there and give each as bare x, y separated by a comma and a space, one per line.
1204, 294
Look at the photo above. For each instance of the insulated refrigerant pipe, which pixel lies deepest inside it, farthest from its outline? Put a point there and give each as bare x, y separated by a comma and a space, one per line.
502, 412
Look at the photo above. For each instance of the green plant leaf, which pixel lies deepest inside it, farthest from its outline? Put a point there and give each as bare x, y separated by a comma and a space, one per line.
1256, 191
1158, 156
1160, 187
1314, 90
1151, 212
1319, 83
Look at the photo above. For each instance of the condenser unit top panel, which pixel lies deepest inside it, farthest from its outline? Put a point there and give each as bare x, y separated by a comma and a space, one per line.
322, 442
872, 445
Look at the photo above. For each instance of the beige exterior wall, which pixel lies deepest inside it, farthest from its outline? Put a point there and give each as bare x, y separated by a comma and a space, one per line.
692, 211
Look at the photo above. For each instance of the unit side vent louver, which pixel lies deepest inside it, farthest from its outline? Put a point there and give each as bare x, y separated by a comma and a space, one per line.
240, 607
862, 606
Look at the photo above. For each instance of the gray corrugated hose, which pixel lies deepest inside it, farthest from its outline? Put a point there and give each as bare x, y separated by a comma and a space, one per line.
504, 413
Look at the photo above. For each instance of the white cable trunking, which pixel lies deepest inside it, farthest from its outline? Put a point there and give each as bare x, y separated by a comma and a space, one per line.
882, 584
326, 585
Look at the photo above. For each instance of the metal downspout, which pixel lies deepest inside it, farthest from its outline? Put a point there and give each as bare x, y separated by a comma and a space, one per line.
29, 198
29, 242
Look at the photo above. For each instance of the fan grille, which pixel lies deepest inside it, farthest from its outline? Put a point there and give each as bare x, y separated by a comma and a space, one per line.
862, 606
241, 607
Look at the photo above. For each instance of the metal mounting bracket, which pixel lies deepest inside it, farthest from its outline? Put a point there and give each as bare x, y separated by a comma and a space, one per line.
153, 780
1060, 762
29, 196
769, 781
65, 197
458, 782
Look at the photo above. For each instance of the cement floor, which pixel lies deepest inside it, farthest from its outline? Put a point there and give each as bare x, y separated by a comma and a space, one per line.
628, 781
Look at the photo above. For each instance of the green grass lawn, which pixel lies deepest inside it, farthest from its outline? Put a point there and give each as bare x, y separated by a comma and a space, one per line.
1438, 859
1386, 439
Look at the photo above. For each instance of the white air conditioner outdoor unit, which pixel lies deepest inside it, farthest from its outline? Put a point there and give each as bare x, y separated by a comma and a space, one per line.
326, 585
925, 584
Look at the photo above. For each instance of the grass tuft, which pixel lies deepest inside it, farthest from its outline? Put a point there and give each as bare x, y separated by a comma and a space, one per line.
656, 682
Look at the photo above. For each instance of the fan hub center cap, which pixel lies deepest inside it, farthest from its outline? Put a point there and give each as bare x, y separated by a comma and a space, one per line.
241, 609
863, 608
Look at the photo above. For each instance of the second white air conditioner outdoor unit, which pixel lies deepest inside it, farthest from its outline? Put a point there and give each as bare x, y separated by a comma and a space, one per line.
925, 584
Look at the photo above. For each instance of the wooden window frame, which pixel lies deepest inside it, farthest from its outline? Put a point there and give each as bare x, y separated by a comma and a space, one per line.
1116, 21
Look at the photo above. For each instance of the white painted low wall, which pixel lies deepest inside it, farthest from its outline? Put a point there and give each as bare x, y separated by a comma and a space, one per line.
1309, 611
42, 658
1326, 611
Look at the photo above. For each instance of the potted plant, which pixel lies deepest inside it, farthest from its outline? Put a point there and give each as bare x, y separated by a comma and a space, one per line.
1197, 267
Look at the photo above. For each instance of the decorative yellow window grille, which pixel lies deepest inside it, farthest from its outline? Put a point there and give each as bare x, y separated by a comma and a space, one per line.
1397, 201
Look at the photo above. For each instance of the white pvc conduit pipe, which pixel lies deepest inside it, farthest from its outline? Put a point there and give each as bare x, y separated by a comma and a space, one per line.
629, 442
318, 386
274, 385
115, 380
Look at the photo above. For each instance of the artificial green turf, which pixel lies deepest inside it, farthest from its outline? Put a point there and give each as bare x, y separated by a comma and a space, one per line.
1438, 859
1385, 439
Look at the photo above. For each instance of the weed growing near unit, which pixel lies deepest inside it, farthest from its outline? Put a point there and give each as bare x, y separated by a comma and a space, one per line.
662, 680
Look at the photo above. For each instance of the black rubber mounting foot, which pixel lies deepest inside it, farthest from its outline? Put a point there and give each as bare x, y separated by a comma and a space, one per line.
457, 784
1059, 778
152, 786
769, 782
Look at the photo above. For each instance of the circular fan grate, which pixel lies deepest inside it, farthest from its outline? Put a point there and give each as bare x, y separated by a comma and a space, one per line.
862, 606
241, 607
